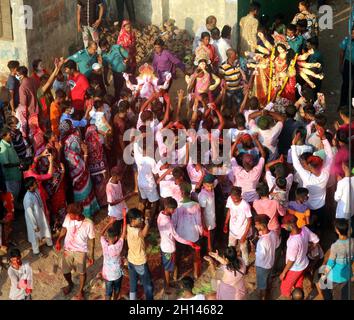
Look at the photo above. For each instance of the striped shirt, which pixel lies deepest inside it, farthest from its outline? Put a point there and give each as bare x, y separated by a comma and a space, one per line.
232, 75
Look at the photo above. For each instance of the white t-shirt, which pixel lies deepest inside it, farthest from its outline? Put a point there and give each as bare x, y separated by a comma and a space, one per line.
146, 167
188, 221
167, 185
77, 235
194, 175
221, 47
343, 199
265, 250
297, 248
196, 297
114, 193
269, 138
207, 201
239, 213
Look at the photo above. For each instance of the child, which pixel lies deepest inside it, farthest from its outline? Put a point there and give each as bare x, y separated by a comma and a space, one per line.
188, 223
55, 111
206, 199
112, 247
339, 265
116, 199
137, 261
270, 208
187, 287
20, 275
279, 192
7, 202
36, 222
299, 209
297, 294
98, 117
238, 222
168, 236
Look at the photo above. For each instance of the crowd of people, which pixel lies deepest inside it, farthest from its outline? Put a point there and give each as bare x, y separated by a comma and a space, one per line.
274, 194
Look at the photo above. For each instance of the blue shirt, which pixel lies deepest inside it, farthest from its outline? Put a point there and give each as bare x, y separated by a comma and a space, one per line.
297, 44
76, 123
115, 58
84, 61
345, 47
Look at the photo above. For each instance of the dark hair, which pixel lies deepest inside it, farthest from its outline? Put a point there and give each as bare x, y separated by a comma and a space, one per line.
103, 43
146, 115
170, 203
123, 106
314, 42
240, 120
302, 23
36, 63
307, 93
112, 233
255, 6
4, 131
187, 283
305, 156
65, 105
13, 64
23, 71
11, 120
236, 191
262, 190
215, 33
343, 136
280, 171
297, 294
342, 226
301, 192
134, 214
159, 42
253, 103
344, 110
60, 94
204, 35
310, 110
281, 182
234, 262
29, 182
75, 208
262, 219
70, 64
226, 31
321, 120
305, 3
14, 253
178, 173
291, 27
291, 111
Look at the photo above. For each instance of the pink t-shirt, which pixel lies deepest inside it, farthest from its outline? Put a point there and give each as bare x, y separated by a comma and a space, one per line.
114, 193
272, 209
297, 248
188, 221
247, 180
77, 235
168, 234
239, 213
111, 269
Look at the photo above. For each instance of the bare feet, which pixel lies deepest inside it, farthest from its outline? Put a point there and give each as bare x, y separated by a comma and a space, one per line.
66, 290
79, 296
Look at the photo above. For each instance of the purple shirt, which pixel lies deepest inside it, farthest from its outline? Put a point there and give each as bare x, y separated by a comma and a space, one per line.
299, 207
166, 62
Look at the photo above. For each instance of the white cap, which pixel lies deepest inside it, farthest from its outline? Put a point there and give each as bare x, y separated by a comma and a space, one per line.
96, 66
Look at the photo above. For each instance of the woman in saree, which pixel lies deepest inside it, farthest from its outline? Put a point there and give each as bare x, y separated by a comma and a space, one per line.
97, 164
75, 154
127, 39
56, 186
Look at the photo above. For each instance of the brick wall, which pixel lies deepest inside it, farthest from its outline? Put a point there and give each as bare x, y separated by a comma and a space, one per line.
54, 32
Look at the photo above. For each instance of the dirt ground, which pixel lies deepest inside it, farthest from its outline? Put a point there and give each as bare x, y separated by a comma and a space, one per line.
48, 279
